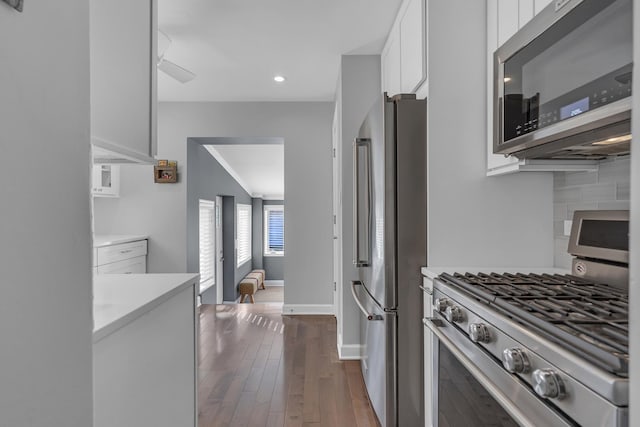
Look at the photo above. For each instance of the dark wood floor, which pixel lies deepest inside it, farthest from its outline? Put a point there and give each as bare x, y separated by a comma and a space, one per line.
258, 368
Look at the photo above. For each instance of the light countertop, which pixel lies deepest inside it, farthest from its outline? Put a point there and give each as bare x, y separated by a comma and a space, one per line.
120, 298
433, 272
100, 240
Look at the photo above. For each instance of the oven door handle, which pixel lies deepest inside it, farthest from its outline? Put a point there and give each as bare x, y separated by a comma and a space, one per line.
434, 324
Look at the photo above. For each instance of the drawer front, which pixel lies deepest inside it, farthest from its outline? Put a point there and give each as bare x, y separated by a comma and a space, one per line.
137, 265
115, 253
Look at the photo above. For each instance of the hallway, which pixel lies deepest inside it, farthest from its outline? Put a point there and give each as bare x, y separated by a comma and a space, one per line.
258, 368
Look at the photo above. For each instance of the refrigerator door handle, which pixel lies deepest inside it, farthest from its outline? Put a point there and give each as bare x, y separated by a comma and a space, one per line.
361, 258
368, 315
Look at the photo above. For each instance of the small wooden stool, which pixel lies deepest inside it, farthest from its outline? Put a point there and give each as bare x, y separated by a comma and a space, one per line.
248, 286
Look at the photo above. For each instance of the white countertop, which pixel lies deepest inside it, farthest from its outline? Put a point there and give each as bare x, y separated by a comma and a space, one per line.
100, 240
433, 272
120, 298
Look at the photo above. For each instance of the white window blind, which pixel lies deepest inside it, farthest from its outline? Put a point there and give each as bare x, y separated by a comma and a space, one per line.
244, 233
274, 230
207, 243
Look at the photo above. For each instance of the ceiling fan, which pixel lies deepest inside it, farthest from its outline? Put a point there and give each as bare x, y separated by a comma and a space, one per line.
173, 70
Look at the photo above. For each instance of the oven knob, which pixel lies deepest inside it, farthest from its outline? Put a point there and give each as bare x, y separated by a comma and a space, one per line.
547, 383
478, 332
441, 304
515, 361
453, 313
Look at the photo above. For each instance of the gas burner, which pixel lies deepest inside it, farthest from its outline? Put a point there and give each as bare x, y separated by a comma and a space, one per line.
587, 318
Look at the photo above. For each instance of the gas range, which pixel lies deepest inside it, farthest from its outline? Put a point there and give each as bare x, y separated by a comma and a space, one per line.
549, 349
564, 337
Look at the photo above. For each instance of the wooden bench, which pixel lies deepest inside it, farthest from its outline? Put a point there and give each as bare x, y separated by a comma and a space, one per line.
250, 284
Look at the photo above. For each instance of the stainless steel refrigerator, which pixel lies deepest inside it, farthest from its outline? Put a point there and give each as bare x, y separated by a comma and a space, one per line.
390, 246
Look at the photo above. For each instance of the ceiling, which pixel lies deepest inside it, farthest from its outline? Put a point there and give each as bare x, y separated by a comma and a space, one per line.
258, 168
236, 47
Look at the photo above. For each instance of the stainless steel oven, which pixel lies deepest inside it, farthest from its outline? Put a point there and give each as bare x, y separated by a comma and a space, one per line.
537, 349
562, 84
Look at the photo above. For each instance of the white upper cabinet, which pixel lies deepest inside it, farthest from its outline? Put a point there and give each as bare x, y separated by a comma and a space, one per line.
412, 46
508, 19
123, 77
391, 64
404, 54
540, 4
525, 12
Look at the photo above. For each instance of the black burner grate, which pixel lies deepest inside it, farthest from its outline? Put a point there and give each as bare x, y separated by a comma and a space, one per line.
587, 318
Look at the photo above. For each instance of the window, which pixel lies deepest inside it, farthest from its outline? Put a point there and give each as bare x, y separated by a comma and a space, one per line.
244, 233
207, 243
274, 230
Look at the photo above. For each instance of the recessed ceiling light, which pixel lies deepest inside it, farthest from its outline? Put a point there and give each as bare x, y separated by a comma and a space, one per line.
279, 79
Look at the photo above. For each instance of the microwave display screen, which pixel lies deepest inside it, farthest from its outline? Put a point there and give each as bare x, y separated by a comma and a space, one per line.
574, 109
581, 63
604, 234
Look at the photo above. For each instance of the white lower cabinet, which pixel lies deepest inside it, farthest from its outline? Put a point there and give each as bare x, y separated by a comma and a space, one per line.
124, 258
145, 371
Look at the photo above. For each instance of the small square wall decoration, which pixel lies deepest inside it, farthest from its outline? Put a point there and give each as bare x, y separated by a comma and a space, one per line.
16, 4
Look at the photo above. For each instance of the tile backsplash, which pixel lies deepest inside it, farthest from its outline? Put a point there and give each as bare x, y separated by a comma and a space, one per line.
606, 188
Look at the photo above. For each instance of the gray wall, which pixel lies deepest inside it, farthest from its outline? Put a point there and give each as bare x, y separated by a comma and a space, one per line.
207, 179
475, 220
359, 86
606, 188
161, 210
45, 232
256, 232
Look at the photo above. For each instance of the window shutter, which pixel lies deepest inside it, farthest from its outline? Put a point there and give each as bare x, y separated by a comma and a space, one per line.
274, 230
244, 233
207, 242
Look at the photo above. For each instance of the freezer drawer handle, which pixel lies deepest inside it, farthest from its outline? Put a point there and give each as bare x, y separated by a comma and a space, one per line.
370, 316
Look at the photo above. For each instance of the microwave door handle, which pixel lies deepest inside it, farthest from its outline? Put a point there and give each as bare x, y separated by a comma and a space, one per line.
434, 324
500, 122
367, 314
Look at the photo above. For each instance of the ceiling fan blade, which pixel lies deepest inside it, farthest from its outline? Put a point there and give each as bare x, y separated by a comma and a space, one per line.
175, 71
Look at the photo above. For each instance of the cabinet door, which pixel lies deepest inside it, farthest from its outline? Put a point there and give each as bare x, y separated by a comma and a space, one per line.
391, 64
540, 4
412, 46
508, 19
526, 12
123, 69
137, 265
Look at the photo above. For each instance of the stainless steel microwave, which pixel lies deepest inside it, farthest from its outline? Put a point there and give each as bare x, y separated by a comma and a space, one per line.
562, 84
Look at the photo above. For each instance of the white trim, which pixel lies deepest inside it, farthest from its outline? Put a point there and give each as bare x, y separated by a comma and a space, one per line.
302, 309
349, 352
274, 282
216, 155
271, 197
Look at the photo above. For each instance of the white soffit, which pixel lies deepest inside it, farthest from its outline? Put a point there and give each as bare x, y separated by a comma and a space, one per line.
258, 168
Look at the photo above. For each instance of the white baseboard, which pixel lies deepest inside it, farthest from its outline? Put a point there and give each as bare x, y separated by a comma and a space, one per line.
349, 352
274, 282
301, 309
